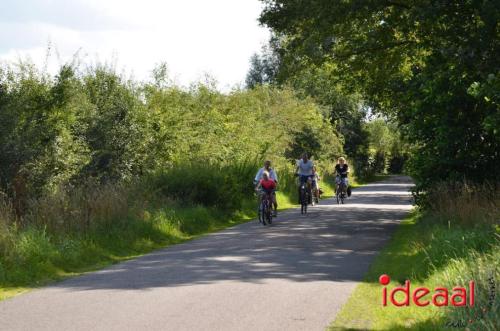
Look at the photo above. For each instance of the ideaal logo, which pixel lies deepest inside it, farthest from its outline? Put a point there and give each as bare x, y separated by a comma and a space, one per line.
460, 296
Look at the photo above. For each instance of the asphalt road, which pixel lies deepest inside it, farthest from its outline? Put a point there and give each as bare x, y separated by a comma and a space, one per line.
293, 275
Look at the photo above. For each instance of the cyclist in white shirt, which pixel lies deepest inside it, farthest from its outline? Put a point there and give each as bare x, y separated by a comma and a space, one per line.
305, 170
266, 167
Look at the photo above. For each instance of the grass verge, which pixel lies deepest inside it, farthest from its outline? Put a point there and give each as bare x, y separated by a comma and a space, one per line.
41, 258
430, 254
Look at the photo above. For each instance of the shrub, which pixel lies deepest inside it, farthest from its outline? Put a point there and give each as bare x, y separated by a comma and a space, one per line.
207, 184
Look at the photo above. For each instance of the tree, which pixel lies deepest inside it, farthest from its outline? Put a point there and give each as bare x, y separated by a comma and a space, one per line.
263, 67
432, 65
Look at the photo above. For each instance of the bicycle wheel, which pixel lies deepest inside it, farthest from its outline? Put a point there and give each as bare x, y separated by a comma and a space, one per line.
301, 199
305, 202
342, 193
261, 212
267, 212
269, 215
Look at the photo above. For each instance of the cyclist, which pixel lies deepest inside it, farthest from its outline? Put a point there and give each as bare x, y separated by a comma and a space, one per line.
272, 175
266, 167
305, 170
268, 185
341, 171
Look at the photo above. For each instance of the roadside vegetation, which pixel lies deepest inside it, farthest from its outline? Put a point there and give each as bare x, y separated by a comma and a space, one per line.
96, 168
454, 241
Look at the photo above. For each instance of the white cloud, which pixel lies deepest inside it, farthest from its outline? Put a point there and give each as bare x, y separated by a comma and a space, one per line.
192, 36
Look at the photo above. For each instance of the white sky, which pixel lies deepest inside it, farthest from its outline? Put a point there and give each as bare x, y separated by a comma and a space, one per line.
193, 37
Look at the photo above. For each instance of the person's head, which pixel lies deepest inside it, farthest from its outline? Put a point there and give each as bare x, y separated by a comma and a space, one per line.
265, 175
267, 164
305, 157
341, 161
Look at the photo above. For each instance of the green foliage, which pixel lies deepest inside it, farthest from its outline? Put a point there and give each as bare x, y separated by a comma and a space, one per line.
264, 67
342, 107
36, 119
116, 128
95, 124
387, 149
224, 187
433, 66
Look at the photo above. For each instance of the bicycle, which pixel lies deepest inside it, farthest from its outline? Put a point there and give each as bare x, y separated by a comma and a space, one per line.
305, 192
304, 198
265, 208
341, 191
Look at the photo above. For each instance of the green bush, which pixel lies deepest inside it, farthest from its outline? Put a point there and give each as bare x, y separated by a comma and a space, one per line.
224, 187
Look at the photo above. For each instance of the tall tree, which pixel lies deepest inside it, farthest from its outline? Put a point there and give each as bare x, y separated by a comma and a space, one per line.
342, 107
433, 65
264, 66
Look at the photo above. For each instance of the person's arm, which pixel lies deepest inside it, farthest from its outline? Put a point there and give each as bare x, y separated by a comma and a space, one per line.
257, 177
259, 184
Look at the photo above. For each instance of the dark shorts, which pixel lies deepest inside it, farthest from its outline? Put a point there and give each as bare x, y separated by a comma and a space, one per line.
304, 179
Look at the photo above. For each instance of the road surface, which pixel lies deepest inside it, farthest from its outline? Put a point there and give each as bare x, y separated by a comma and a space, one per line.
294, 275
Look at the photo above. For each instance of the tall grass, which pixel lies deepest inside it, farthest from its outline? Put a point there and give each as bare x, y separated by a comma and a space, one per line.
467, 218
79, 209
7, 240
482, 267
465, 203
